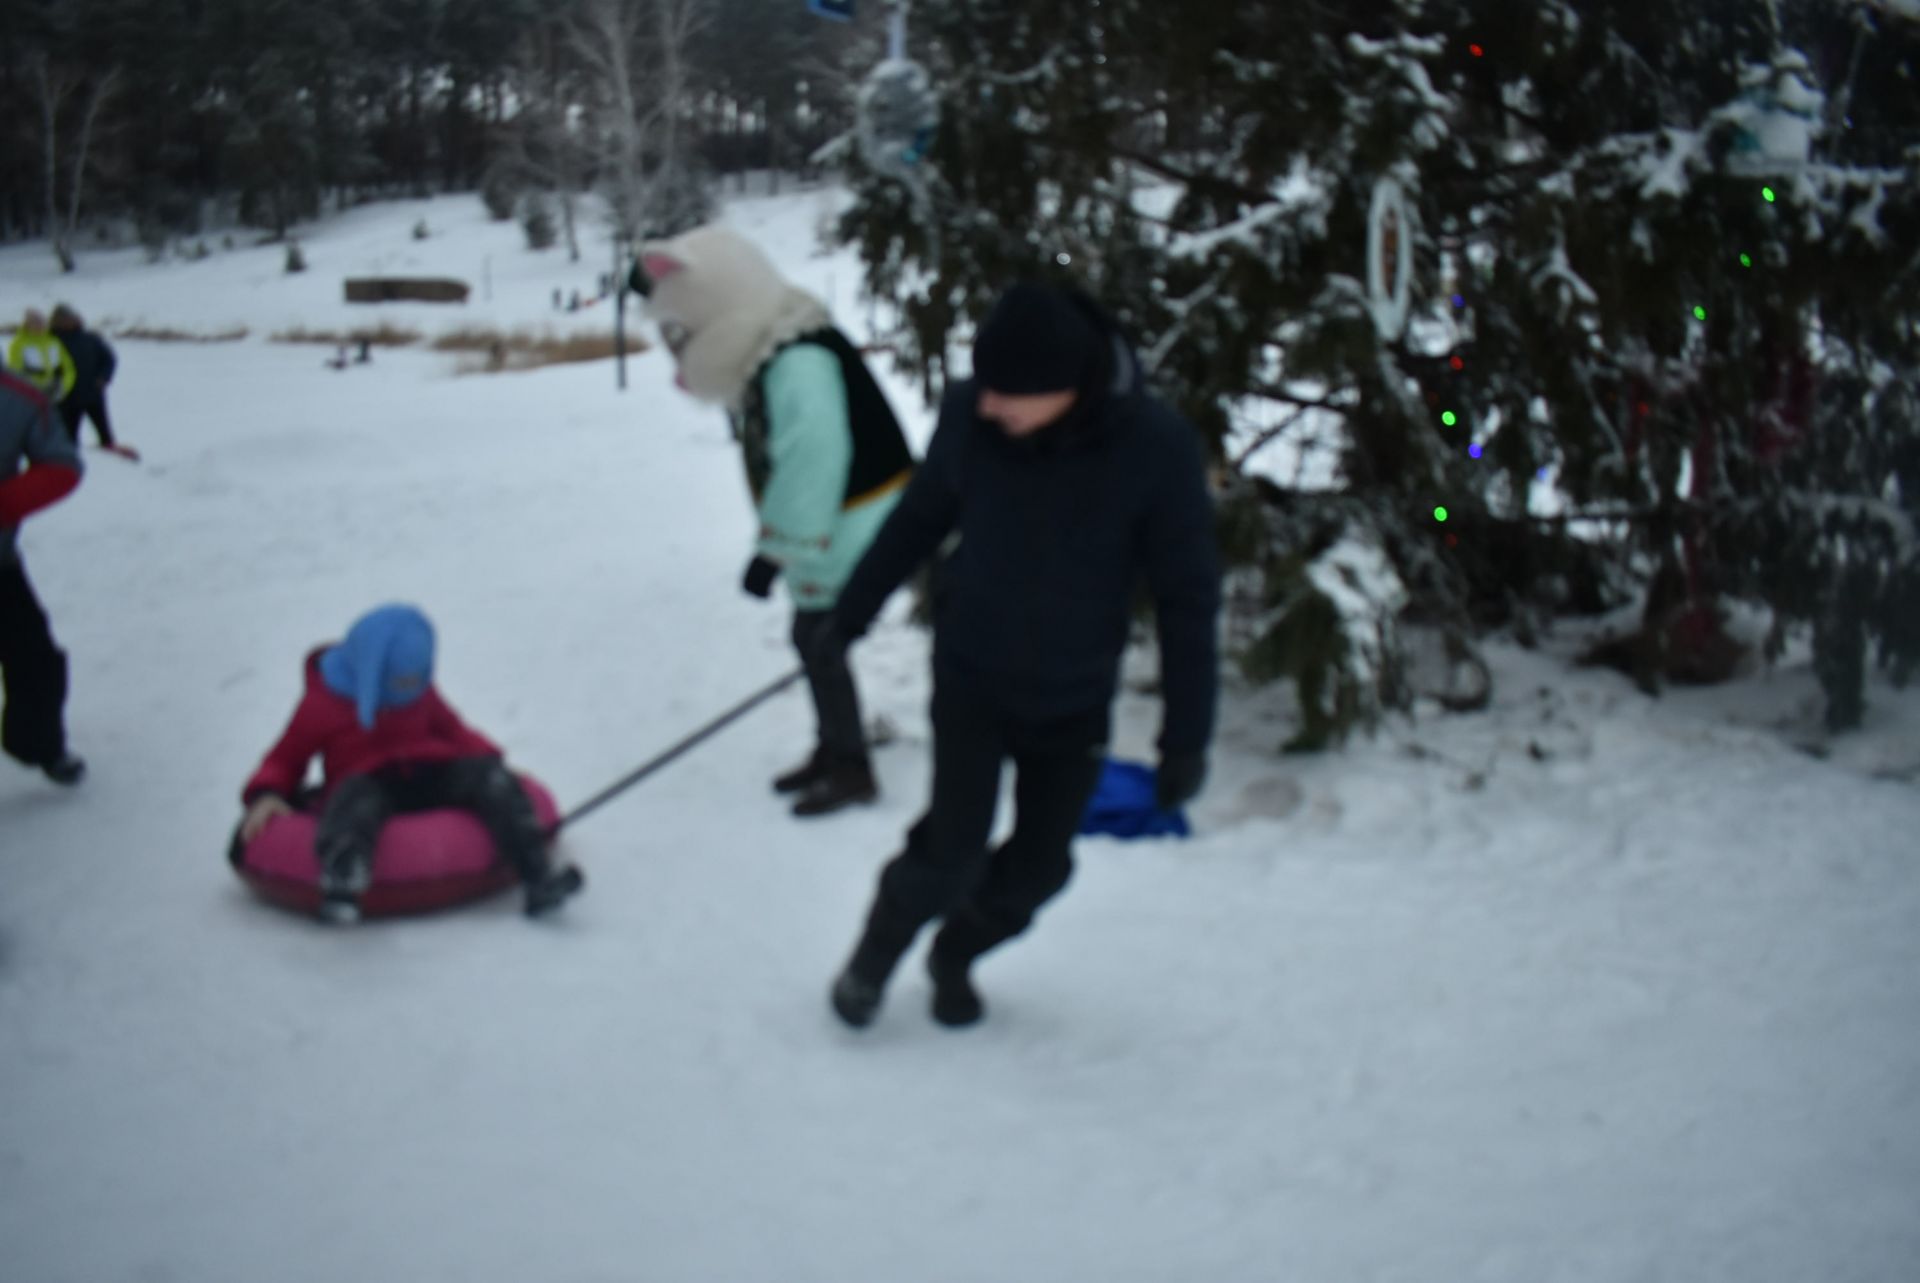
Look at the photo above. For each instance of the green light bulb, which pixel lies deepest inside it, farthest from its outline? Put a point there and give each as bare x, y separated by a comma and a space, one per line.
1768, 193
1699, 313
1746, 260
1449, 419
1439, 514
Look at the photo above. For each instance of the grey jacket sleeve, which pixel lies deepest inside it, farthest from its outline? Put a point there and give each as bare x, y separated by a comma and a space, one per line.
44, 440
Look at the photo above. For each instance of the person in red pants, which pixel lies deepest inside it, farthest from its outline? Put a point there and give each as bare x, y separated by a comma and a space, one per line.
39, 466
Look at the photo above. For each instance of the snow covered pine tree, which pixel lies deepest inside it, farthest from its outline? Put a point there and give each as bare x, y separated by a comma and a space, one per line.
1660, 333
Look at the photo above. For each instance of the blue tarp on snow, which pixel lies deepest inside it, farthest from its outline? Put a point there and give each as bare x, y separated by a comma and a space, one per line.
1123, 805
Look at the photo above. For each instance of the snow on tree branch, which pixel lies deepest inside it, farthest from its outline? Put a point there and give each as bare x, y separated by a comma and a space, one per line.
1048, 68
1241, 231
1559, 268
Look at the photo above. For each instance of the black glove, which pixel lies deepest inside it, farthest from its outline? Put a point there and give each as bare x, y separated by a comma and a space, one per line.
760, 575
1179, 778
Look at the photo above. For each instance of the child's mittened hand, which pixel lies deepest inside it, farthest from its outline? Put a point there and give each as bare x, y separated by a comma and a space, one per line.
263, 810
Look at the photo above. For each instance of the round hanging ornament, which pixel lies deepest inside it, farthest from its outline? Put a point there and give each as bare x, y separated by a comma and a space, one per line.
1389, 259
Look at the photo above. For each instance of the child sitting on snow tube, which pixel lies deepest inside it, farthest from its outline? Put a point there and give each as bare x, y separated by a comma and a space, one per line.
388, 745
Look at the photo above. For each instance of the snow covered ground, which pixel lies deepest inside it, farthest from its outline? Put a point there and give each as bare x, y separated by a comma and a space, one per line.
1590, 988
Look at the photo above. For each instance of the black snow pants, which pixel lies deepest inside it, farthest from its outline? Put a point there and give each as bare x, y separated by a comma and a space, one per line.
360, 806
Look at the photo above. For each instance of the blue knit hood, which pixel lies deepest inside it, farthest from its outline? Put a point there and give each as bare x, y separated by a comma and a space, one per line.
386, 661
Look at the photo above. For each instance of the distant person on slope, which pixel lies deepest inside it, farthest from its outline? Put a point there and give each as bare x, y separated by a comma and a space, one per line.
1070, 485
93, 363
825, 459
32, 668
36, 356
388, 744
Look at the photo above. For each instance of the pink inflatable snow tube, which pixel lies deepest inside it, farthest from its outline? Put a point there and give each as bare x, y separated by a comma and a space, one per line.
425, 860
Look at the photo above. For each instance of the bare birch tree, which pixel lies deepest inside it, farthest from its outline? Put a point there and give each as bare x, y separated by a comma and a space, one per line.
636, 54
546, 148
55, 85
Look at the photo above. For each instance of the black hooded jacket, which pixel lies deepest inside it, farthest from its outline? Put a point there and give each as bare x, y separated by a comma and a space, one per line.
1032, 607
93, 361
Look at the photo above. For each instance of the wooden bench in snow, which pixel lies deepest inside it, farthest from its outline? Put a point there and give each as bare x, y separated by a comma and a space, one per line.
405, 289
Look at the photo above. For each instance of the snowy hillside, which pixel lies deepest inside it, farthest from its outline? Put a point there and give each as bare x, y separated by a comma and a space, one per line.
1589, 988
248, 286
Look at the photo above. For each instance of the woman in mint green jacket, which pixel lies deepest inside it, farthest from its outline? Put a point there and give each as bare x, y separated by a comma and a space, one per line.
824, 454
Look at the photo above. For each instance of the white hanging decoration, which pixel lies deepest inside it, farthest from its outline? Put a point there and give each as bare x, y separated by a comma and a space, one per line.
1774, 119
1389, 259
897, 112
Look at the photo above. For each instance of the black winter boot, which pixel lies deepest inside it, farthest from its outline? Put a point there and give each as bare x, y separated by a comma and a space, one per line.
858, 988
956, 1003
843, 784
805, 775
962, 938
65, 770
856, 999
551, 891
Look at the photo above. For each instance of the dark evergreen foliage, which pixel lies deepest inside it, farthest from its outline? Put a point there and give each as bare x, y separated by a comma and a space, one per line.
1585, 176
270, 110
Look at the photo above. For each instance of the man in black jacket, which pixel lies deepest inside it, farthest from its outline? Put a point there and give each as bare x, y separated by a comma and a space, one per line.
93, 367
1067, 483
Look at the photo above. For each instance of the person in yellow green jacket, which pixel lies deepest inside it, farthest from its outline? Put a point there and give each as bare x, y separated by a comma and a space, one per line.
38, 357
825, 458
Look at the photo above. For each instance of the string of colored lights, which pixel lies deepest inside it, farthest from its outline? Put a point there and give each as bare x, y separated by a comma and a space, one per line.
1450, 418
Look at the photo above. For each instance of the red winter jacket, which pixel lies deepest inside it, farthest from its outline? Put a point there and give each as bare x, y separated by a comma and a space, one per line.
327, 724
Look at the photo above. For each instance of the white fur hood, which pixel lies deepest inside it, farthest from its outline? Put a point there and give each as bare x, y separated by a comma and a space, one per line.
723, 309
